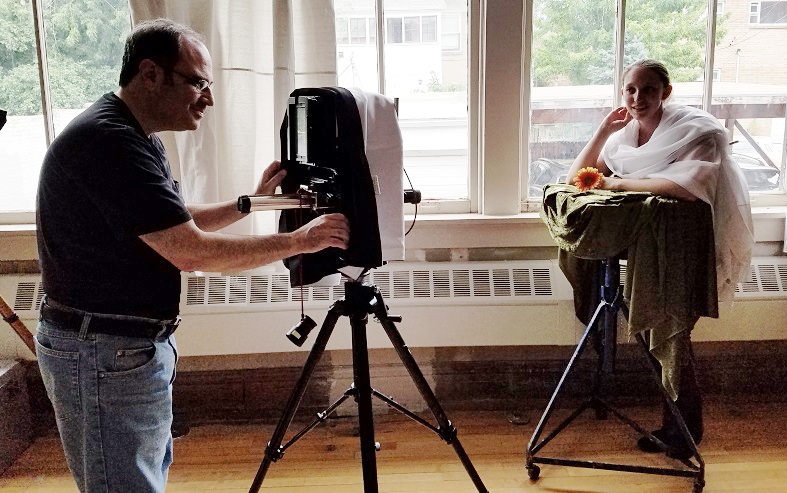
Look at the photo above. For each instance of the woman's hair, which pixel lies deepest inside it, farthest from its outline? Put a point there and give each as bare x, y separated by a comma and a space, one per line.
649, 63
158, 40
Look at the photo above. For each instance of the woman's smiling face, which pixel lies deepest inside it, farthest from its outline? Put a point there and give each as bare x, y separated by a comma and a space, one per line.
644, 92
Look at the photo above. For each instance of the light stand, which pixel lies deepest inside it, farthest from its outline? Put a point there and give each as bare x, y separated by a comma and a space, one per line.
603, 325
360, 300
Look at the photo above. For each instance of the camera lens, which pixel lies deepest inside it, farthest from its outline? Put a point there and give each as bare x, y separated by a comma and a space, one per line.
300, 331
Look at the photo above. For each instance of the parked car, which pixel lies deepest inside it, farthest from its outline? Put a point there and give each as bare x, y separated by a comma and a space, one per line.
544, 170
760, 177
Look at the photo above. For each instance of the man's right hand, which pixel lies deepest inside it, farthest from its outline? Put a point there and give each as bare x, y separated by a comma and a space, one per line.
328, 230
189, 248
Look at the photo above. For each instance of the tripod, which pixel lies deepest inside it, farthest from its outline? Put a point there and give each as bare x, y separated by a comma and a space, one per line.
360, 300
603, 325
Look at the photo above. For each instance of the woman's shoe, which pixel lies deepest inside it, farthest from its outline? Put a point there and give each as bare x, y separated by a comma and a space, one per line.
677, 448
649, 446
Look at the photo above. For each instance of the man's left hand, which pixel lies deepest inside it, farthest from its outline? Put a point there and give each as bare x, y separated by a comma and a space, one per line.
271, 178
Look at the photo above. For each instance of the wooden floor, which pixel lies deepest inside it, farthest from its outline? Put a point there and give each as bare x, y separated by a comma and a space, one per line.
745, 450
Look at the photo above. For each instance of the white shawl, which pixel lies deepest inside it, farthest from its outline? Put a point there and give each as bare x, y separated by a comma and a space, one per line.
690, 147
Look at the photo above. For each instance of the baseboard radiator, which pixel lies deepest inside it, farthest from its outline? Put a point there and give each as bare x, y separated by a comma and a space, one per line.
443, 303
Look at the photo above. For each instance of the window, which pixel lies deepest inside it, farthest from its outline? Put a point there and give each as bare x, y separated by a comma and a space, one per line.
372, 31
750, 100
451, 34
573, 78
84, 44
342, 32
571, 89
768, 12
394, 30
429, 28
572, 60
432, 91
412, 29
355, 30
358, 31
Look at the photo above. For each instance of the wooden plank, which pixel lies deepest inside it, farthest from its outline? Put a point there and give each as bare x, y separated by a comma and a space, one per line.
744, 449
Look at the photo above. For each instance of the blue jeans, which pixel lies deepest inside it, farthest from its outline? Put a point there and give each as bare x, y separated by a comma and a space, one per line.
112, 397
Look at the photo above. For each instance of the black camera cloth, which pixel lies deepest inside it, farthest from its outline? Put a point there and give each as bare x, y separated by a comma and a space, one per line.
326, 155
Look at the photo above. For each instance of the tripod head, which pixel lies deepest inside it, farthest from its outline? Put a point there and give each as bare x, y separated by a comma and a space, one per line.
360, 297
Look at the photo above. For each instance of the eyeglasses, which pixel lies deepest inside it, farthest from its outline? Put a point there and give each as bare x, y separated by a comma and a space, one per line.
200, 84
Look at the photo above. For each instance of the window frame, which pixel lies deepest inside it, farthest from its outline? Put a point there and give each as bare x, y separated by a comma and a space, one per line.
482, 119
28, 217
755, 15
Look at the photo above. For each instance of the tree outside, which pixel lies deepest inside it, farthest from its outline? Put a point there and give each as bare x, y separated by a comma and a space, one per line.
84, 41
574, 40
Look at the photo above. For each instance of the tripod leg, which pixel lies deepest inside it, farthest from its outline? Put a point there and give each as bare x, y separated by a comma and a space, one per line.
447, 430
534, 445
363, 387
606, 337
273, 450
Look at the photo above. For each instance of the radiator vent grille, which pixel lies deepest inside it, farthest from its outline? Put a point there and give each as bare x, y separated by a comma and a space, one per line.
28, 295
416, 283
765, 278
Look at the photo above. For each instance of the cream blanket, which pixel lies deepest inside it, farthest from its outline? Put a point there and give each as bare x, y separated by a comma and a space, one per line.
690, 147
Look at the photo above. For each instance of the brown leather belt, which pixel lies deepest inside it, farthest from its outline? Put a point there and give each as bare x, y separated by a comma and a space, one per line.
71, 319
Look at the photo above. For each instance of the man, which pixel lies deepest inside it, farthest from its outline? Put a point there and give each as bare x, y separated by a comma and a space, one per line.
113, 236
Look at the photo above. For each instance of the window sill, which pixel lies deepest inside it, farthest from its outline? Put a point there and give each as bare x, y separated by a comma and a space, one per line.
527, 229
467, 230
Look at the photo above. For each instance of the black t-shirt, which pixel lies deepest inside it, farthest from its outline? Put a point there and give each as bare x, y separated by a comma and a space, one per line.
103, 183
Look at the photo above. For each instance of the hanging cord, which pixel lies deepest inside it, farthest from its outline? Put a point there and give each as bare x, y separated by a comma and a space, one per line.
415, 216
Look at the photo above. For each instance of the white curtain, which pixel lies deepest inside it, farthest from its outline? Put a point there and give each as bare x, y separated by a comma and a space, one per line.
261, 51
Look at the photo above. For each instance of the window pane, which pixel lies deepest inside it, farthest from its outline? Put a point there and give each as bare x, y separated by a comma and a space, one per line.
750, 98
773, 13
22, 140
672, 32
431, 86
357, 64
358, 31
429, 26
84, 41
451, 33
573, 63
412, 30
394, 30
342, 31
754, 12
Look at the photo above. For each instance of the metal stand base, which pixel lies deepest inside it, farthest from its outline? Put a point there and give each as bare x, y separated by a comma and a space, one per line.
603, 324
360, 300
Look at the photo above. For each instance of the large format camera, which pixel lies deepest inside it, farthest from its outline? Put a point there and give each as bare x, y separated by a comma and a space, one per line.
342, 150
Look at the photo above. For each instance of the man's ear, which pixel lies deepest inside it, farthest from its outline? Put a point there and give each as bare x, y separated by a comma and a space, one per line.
149, 72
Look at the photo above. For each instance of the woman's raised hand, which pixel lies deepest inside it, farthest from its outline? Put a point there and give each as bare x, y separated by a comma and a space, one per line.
616, 119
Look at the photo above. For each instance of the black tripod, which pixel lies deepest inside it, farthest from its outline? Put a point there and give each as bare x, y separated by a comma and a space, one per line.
361, 299
603, 325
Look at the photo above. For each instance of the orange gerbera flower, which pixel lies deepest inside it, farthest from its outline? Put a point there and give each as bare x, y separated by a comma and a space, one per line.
588, 178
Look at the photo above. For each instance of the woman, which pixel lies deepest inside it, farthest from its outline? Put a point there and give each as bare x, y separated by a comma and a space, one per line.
678, 152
